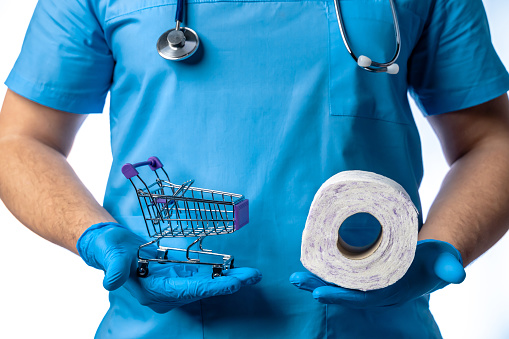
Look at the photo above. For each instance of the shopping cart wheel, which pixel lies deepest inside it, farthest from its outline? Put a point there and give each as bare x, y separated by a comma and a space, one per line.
217, 272
142, 270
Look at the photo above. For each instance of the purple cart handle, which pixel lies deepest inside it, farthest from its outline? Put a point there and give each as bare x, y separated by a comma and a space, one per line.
129, 170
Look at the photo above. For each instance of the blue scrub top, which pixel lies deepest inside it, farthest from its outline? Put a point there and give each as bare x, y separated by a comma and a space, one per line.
273, 107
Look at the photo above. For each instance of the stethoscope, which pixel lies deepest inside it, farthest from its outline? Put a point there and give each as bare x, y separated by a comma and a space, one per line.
180, 43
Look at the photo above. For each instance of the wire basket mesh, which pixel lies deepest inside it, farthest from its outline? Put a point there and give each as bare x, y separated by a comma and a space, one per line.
183, 211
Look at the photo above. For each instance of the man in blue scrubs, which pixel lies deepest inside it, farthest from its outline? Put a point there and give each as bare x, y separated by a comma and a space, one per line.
273, 107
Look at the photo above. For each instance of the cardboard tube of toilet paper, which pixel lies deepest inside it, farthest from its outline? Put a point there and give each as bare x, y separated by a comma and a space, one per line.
377, 266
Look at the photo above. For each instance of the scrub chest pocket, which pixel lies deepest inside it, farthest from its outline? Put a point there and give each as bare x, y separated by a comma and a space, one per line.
370, 30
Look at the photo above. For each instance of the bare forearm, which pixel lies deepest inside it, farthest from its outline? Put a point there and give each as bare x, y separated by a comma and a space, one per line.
471, 210
40, 188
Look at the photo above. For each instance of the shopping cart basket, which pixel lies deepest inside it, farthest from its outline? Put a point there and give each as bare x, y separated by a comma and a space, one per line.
172, 211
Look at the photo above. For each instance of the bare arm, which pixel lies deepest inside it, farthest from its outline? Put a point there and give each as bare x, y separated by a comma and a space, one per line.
37, 184
471, 210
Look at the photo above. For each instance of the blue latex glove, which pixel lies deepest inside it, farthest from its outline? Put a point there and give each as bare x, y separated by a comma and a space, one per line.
436, 265
113, 248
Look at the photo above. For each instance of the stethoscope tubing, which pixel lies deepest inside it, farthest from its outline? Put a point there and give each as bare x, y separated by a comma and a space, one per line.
380, 66
173, 48
179, 13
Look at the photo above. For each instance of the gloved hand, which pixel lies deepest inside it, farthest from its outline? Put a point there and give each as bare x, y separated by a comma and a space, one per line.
113, 248
436, 265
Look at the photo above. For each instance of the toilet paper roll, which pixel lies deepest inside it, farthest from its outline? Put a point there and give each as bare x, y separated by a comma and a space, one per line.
325, 254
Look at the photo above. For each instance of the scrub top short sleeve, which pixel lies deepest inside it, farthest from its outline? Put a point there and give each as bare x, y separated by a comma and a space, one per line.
461, 67
65, 62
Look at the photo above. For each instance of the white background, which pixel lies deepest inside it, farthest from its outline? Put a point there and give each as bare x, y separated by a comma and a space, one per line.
48, 292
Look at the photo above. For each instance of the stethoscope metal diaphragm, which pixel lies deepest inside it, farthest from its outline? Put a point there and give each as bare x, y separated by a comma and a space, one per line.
178, 43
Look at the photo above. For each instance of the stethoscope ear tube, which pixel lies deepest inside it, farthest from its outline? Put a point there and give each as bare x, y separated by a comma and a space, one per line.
363, 61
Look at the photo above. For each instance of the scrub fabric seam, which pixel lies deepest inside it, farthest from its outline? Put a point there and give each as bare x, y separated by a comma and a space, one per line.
52, 97
233, 1
420, 171
42, 86
210, 1
371, 118
427, 94
490, 90
329, 57
326, 322
202, 321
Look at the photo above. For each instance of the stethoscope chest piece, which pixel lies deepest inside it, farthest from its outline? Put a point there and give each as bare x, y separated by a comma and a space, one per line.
178, 43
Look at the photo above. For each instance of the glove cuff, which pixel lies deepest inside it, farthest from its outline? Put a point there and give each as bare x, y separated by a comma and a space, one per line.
444, 245
84, 241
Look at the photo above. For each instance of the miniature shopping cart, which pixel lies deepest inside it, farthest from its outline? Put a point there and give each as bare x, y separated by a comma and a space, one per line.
172, 211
